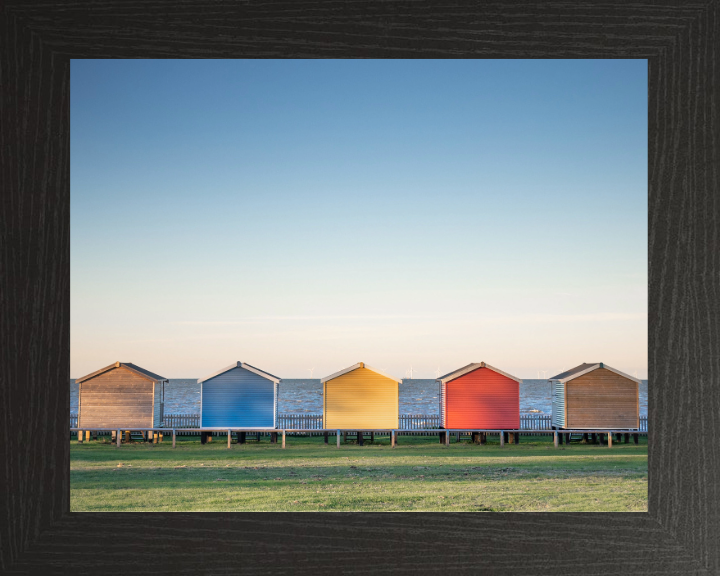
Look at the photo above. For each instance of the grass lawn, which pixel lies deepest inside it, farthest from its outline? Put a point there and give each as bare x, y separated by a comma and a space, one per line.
418, 475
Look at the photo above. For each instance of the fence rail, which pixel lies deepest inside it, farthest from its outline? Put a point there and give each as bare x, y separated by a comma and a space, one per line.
314, 421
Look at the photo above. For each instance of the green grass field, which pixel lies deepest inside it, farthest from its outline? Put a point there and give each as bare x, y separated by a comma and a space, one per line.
418, 475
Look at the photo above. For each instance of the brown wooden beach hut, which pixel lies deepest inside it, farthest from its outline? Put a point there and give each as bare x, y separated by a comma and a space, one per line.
122, 396
595, 396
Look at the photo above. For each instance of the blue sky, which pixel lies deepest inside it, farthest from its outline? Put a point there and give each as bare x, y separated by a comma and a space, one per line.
314, 214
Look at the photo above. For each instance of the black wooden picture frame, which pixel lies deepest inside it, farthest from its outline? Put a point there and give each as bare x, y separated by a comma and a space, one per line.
681, 532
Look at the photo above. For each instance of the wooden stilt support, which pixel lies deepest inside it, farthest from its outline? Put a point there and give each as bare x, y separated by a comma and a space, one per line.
283, 440
150, 436
273, 437
610, 439
627, 438
447, 438
517, 438
209, 437
457, 437
585, 438
567, 439
112, 436
118, 438
483, 437
241, 438
393, 438
636, 438
360, 439
156, 437
561, 437
594, 438
502, 439
475, 437
338, 438
161, 437
556, 438
258, 436
229, 438
325, 437
174, 437
372, 436
344, 437
80, 436
127, 436
87, 435
441, 437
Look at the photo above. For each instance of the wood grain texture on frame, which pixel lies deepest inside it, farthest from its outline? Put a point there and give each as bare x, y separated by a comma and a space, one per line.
680, 532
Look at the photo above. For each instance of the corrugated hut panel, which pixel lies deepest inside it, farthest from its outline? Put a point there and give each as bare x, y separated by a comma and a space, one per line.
238, 398
482, 399
361, 399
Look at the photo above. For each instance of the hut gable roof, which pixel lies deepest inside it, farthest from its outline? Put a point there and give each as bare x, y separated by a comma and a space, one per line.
128, 366
584, 368
245, 366
355, 367
471, 368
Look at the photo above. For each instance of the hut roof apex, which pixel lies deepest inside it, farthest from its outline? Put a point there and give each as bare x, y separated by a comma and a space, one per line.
129, 366
355, 367
245, 366
471, 368
586, 367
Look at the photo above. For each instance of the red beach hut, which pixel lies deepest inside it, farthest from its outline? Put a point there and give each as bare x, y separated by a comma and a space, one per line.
478, 397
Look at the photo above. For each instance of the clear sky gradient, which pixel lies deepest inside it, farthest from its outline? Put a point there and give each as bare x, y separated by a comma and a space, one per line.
314, 214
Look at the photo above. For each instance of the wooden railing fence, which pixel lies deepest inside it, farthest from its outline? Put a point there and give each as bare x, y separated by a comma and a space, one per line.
314, 421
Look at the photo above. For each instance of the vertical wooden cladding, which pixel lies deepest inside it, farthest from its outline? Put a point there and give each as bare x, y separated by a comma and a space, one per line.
116, 398
602, 399
361, 399
482, 399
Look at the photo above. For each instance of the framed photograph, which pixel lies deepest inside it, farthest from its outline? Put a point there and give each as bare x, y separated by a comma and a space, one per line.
674, 533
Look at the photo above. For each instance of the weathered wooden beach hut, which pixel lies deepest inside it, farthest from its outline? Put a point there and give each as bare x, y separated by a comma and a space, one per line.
121, 396
595, 396
360, 397
479, 396
239, 396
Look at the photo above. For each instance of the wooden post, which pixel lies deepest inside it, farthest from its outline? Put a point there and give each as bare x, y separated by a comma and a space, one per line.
273, 437
80, 434
502, 439
567, 438
174, 437
258, 436
360, 439
209, 437
585, 438
127, 436
475, 437
241, 438
229, 438
392, 438
511, 437
325, 436
161, 437
636, 438
283, 441
517, 438
610, 439
112, 436
150, 436
447, 438
441, 437
118, 438
560, 437
593, 437
87, 435
338, 438
345, 436
627, 438
372, 436
556, 438
483, 437
156, 437
457, 437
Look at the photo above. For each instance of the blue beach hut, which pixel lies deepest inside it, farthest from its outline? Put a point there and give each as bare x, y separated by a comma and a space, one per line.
239, 396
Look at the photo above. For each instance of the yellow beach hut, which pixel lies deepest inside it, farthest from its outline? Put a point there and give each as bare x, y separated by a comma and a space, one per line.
360, 397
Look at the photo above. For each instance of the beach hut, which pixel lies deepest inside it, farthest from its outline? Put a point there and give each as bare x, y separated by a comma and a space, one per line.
595, 396
360, 397
122, 396
479, 396
239, 396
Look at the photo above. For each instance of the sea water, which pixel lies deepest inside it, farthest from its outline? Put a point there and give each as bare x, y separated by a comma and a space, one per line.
304, 396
